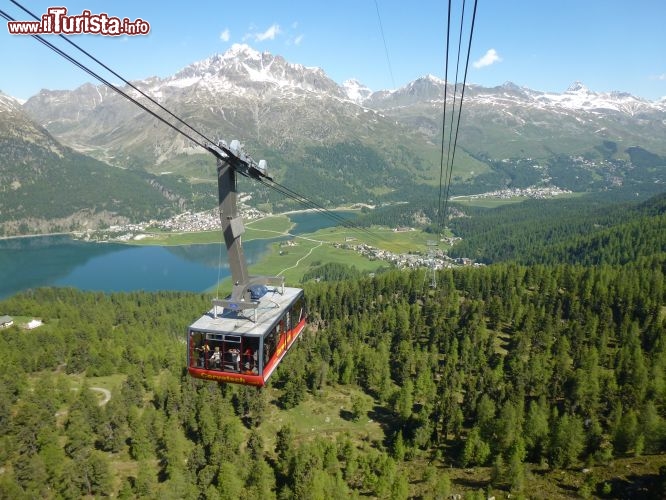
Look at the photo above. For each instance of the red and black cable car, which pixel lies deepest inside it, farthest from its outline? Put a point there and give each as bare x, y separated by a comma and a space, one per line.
243, 337
227, 346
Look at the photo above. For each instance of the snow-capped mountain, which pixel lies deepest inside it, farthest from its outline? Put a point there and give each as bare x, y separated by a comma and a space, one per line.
242, 93
343, 143
576, 98
279, 106
245, 71
356, 91
504, 120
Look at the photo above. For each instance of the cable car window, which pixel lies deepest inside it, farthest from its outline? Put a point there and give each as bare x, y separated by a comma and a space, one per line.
197, 351
250, 355
231, 353
297, 311
270, 343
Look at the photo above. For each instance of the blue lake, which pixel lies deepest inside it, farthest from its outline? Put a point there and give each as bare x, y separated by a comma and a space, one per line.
61, 261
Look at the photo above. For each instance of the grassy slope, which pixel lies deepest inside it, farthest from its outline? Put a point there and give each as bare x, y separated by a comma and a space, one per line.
324, 414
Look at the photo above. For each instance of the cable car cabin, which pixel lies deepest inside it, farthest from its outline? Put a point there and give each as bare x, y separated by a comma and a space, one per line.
239, 347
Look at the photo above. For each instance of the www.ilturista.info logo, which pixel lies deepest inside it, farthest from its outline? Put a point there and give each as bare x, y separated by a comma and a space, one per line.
57, 22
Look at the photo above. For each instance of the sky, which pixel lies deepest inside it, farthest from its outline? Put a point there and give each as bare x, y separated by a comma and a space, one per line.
546, 45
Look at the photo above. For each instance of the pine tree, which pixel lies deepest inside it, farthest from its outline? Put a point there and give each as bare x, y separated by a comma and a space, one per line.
398, 449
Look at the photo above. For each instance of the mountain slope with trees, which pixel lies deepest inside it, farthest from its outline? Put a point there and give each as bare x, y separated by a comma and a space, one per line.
522, 374
589, 230
48, 187
382, 148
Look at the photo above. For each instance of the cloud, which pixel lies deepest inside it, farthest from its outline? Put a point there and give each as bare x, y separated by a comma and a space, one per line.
298, 39
490, 57
225, 35
661, 77
269, 34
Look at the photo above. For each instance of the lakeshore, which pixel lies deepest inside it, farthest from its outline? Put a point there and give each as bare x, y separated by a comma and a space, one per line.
187, 262
288, 246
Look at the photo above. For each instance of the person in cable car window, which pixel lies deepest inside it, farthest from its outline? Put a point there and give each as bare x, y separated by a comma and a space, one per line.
193, 348
235, 353
215, 359
204, 351
247, 360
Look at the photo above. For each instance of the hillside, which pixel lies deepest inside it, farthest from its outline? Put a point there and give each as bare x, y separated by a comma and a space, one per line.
505, 379
48, 187
589, 230
362, 145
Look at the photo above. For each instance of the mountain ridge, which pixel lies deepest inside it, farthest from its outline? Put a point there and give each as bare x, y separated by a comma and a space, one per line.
357, 144
265, 99
46, 186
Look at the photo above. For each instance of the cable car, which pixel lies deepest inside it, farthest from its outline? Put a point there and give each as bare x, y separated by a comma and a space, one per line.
243, 338
227, 346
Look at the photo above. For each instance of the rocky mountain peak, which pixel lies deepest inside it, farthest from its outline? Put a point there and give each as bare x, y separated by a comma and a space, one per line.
433, 79
511, 87
242, 51
356, 91
578, 87
243, 66
8, 103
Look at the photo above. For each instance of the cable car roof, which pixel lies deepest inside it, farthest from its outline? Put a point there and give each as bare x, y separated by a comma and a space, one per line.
271, 307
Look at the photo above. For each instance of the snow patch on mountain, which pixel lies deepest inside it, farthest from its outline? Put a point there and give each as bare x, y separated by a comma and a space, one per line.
579, 97
356, 91
242, 50
182, 82
434, 79
8, 103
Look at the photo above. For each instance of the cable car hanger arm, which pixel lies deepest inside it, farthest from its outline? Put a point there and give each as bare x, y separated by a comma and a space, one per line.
231, 160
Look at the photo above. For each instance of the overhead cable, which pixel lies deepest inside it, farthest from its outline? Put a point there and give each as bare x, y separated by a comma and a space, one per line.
303, 200
104, 81
462, 97
117, 75
446, 85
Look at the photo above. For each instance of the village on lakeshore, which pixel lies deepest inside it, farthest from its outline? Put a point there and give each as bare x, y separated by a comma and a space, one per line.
192, 222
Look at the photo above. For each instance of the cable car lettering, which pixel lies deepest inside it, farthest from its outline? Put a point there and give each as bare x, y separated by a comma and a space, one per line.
257, 325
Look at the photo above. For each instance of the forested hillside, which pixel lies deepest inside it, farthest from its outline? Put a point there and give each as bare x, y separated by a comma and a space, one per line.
504, 378
48, 187
589, 230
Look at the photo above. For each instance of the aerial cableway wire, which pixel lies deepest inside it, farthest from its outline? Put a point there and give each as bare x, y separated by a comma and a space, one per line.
381, 29
319, 208
462, 98
303, 200
446, 86
315, 206
115, 74
449, 163
451, 150
76, 63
